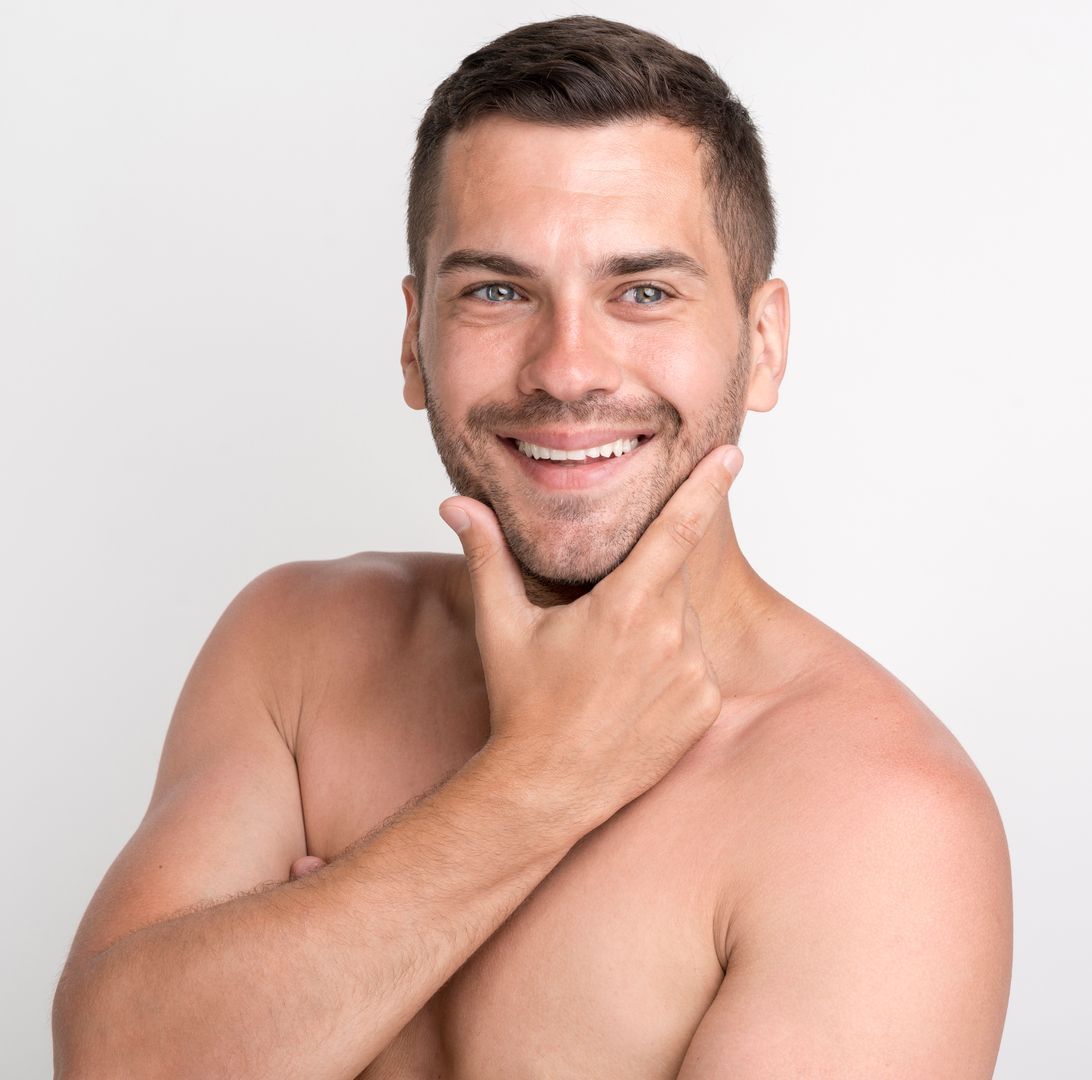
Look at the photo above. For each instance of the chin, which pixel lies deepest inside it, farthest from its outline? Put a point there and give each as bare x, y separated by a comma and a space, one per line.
558, 573
583, 560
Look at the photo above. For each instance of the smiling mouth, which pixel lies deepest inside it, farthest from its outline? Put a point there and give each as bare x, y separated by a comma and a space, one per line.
576, 458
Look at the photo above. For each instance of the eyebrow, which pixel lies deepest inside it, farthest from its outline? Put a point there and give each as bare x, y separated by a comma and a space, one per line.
632, 262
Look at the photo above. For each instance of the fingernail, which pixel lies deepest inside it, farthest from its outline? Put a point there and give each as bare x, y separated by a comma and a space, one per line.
455, 518
733, 460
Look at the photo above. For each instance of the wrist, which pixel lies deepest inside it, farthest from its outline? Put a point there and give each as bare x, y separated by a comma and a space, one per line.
533, 797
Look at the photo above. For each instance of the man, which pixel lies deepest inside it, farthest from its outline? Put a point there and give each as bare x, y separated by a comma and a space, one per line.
592, 800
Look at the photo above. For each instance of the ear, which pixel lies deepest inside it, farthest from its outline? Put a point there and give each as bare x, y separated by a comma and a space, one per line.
413, 389
769, 329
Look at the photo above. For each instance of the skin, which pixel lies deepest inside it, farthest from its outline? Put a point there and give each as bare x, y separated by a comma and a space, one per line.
577, 354
818, 885
826, 804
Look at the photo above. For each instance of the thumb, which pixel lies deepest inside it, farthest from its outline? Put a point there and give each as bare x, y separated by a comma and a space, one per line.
494, 573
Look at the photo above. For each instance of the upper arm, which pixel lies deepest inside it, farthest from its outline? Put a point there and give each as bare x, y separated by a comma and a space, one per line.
225, 813
885, 952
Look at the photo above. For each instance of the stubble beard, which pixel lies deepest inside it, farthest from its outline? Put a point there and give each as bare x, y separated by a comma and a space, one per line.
584, 540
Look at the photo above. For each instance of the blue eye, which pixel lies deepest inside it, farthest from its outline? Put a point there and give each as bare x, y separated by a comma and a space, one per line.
496, 293
644, 294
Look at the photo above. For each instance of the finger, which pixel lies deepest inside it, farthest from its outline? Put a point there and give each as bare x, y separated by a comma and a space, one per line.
494, 573
693, 624
307, 865
672, 537
676, 592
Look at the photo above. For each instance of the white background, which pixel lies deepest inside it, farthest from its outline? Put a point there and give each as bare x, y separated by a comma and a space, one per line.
200, 253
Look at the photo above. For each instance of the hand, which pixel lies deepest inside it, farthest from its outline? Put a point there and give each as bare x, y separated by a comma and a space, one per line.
592, 702
308, 864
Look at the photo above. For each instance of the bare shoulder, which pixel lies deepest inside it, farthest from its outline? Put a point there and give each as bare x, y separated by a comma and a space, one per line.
379, 590
320, 619
867, 911
854, 749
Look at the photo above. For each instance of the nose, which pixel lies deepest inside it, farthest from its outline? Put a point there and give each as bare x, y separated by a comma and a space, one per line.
569, 356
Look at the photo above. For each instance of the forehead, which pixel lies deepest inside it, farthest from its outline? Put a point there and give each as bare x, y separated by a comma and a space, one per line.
511, 185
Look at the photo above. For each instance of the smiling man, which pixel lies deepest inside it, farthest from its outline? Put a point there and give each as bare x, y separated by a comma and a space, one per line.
592, 799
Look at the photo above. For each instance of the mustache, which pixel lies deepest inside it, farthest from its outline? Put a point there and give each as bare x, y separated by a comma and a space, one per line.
593, 410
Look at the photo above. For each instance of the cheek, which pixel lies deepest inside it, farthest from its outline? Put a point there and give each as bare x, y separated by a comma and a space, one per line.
684, 371
477, 359
491, 343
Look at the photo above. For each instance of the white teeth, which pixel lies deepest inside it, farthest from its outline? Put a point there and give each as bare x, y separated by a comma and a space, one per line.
617, 448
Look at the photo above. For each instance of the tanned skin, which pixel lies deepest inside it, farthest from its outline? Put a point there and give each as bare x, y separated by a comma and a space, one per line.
592, 798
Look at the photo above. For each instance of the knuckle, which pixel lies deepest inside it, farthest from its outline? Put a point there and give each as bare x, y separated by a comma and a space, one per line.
697, 670
710, 699
686, 529
676, 595
717, 484
667, 638
477, 555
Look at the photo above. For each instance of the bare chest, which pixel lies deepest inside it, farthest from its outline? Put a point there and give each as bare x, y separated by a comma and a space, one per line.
609, 964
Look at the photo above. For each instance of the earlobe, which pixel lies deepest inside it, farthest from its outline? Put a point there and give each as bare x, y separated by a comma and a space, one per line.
413, 387
769, 328
762, 392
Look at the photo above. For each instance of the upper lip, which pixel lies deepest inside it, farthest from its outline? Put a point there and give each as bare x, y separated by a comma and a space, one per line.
574, 440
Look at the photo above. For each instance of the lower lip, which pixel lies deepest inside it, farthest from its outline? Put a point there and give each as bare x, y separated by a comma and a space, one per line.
561, 477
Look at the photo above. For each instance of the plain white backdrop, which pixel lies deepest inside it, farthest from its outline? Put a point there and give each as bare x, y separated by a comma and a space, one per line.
201, 243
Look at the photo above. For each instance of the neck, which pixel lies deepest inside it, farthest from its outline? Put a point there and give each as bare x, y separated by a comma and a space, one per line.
741, 616
743, 619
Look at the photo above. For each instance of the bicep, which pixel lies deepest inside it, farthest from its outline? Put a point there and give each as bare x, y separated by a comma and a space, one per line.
889, 956
225, 814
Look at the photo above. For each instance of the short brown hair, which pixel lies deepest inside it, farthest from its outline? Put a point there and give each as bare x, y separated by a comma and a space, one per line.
583, 70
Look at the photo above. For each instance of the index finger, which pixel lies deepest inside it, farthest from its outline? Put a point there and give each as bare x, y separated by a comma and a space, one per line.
676, 531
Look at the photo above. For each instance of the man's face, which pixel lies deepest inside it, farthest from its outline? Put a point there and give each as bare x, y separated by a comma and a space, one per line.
577, 294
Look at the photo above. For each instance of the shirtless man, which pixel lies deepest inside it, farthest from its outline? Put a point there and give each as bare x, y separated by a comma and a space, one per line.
591, 800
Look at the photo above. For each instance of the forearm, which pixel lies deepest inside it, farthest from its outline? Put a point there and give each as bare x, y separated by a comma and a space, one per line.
314, 978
